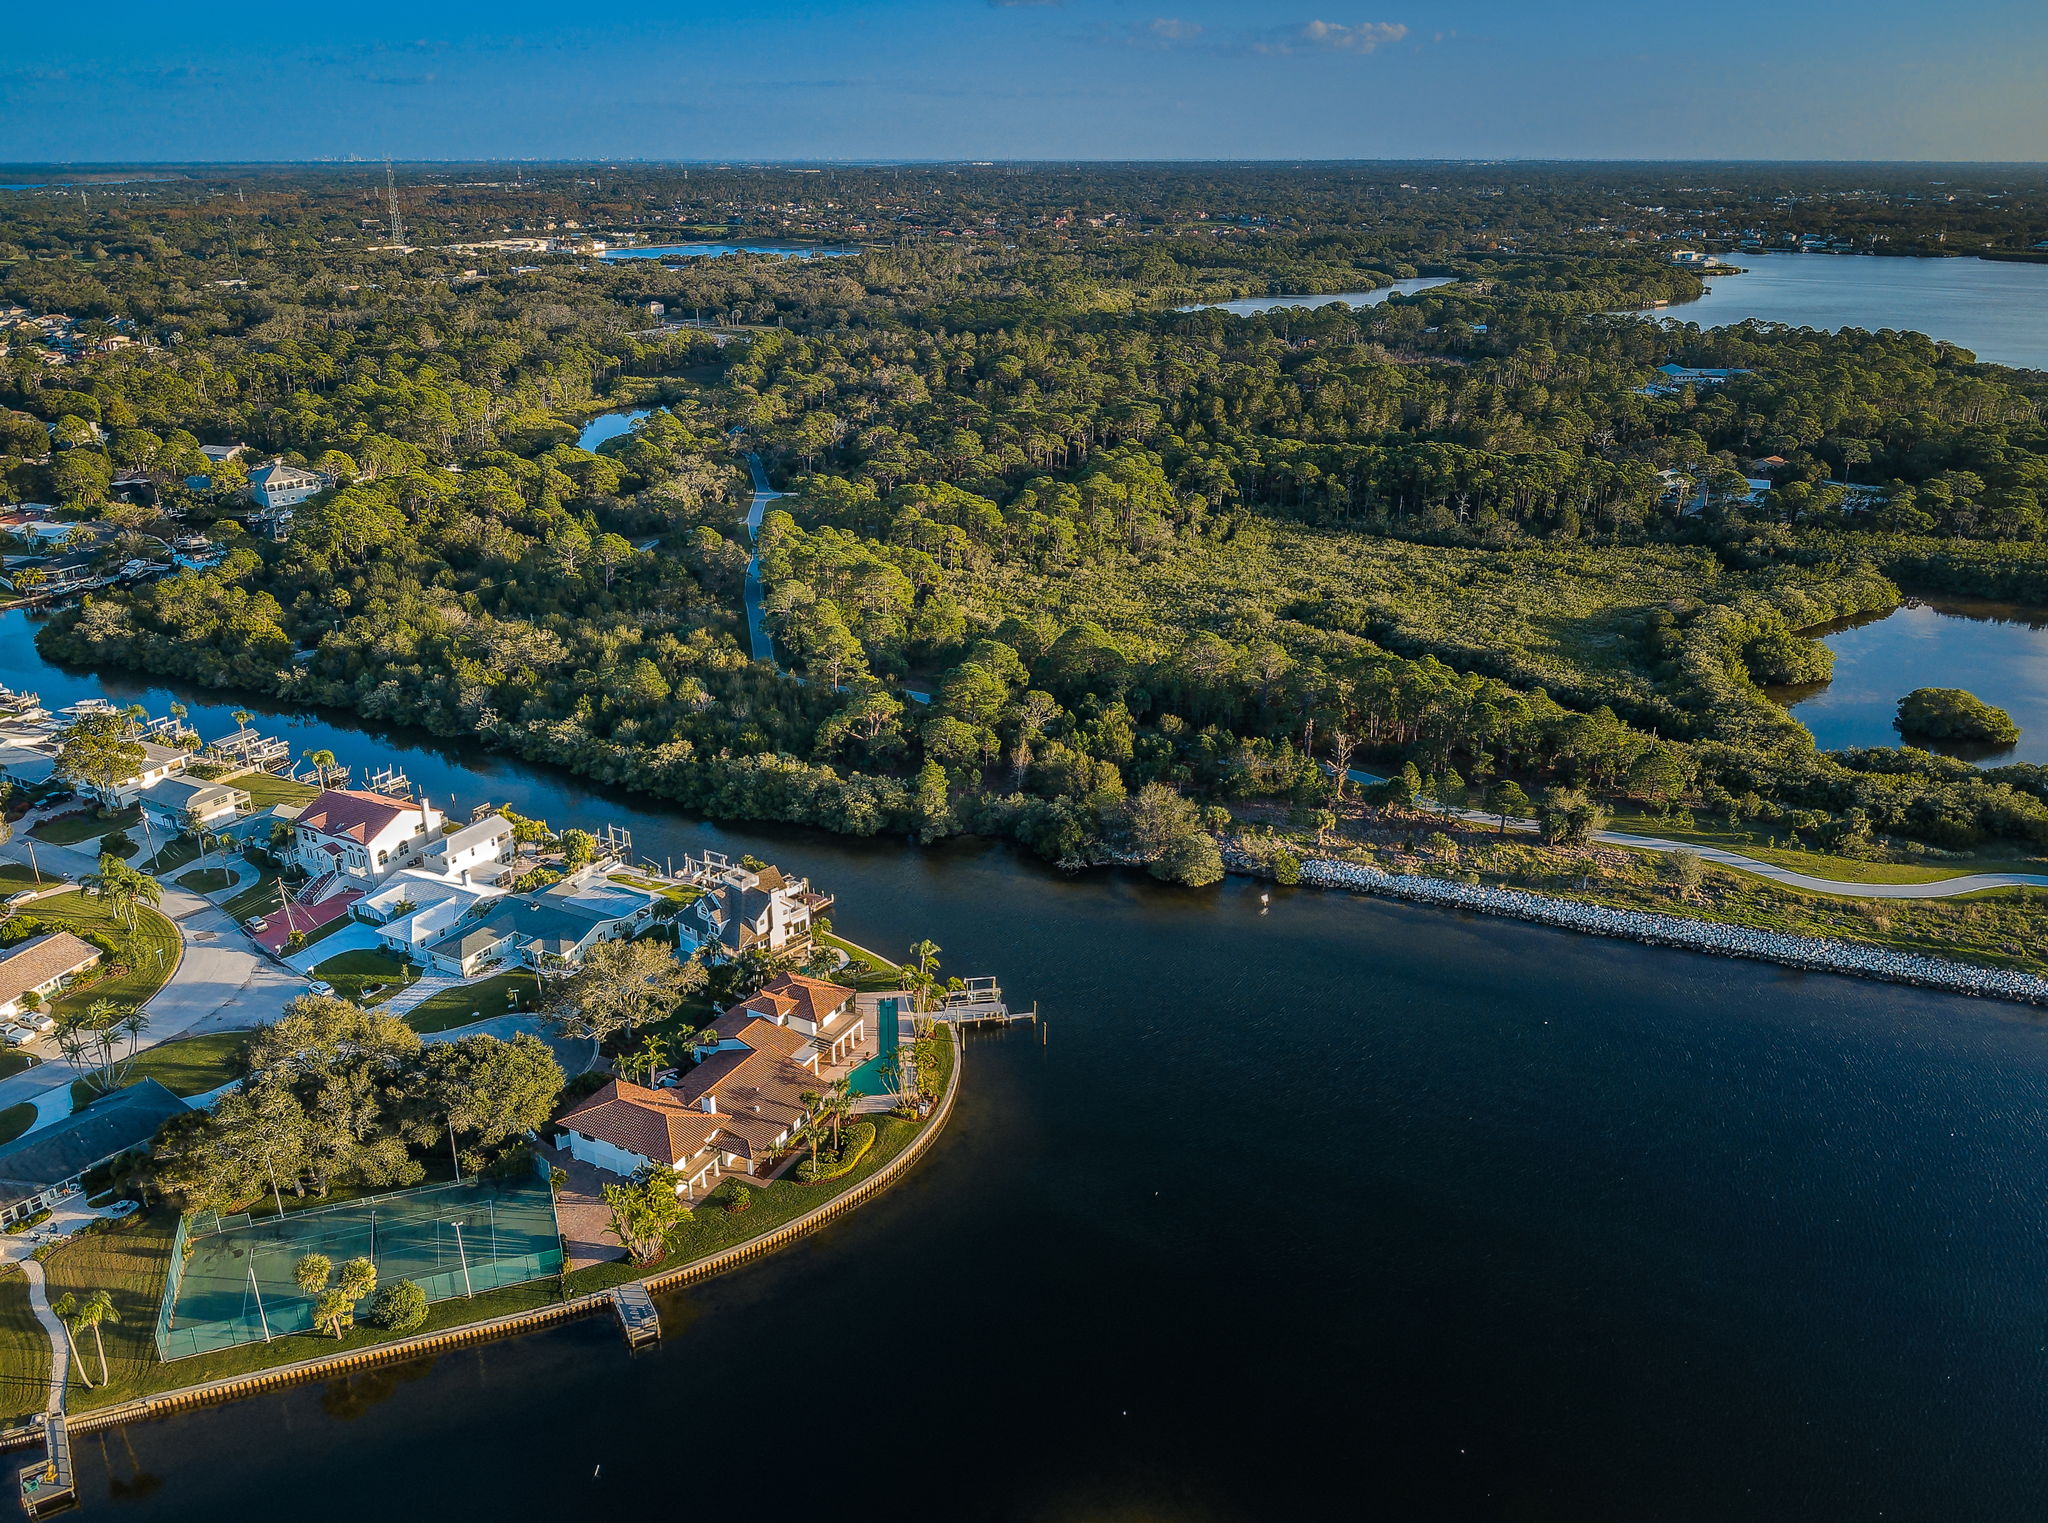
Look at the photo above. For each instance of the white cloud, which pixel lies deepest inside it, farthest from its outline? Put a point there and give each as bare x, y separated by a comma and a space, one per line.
1331, 37
1173, 29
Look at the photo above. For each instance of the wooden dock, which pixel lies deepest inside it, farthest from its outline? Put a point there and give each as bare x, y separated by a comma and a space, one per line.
979, 1002
49, 1486
634, 1308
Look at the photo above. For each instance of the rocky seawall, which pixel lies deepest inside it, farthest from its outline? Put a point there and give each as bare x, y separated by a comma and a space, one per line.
1816, 953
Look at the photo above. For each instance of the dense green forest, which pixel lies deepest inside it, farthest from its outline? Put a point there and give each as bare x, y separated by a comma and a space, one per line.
1117, 545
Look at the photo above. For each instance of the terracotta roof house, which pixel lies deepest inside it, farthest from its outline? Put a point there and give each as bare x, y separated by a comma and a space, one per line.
732, 1113
822, 1011
42, 966
362, 838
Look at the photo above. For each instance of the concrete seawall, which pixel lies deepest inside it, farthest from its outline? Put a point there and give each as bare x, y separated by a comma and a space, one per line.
213, 1392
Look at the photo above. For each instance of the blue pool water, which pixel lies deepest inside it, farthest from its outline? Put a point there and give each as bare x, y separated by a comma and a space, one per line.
868, 1079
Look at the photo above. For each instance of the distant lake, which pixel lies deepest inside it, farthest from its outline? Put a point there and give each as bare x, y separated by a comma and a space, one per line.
713, 250
1999, 651
1249, 305
24, 187
609, 425
1997, 311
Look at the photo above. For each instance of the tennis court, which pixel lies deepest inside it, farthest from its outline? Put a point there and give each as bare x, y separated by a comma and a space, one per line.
231, 1278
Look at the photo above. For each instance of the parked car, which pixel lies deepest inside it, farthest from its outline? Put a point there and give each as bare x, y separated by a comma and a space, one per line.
18, 898
321, 986
256, 923
37, 1021
15, 1036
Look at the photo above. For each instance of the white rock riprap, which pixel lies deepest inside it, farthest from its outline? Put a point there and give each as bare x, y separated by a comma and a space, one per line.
1820, 954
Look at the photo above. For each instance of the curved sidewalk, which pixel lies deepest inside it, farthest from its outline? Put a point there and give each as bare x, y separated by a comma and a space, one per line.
1844, 888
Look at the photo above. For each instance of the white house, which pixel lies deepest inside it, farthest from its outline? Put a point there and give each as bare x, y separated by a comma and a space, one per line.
478, 848
278, 485
158, 762
414, 908
362, 838
186, 803
747, 908
553, 927
41, 966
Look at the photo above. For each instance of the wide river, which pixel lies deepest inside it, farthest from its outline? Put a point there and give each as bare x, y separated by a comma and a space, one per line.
1336, 1208
1997, 310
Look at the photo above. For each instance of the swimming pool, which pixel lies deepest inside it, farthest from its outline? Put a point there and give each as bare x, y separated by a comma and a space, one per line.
870, 1078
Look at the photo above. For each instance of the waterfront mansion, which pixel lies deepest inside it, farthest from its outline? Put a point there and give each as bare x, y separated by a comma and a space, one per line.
736, 1110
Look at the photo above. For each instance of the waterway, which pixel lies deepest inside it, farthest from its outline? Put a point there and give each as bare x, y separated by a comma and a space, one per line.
1323, 1207
713, 250
1249, 305
1999, 651
1996, 310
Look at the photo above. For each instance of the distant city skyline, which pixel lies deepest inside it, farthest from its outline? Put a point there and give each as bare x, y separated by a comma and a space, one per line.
1030, 79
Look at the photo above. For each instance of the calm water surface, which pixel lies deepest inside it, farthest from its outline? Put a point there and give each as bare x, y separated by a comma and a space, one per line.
1333, 1209
1248, 305
713, 250
1999, 651
1998, 311
609, 426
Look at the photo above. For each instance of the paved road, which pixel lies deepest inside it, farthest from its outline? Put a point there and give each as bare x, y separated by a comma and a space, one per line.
758, 644
1944, 888
220, 983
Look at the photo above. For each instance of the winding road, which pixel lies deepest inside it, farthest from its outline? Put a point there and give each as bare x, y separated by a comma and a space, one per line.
759, 645
1943, 888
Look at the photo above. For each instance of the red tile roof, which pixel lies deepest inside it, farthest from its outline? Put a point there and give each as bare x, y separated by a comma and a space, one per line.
788, 994
360, 817
650, 1122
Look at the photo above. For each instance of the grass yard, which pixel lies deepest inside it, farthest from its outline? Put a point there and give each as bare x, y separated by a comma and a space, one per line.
86, 825
871, 971
189, 1065
206, 880
267, 788
129, 1261
1823, 864
157, 951
355, 974
458, 1007
259, 898
174, 855
24, 1352
680, 893
16, 876
16, 1119
13, 1061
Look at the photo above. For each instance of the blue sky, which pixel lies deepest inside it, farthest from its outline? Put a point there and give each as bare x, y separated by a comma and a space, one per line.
1028, 79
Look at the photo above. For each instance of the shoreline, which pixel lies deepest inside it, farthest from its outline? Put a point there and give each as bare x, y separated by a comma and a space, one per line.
423, 1345
1813, 954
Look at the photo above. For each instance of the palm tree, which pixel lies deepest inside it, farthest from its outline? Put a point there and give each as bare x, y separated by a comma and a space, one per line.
311, 1272
98, 1308
66, 1309
652, 1053
837, 1106
323, 763
808, 1134
922, 971
241, 718
122, 887
131, 1023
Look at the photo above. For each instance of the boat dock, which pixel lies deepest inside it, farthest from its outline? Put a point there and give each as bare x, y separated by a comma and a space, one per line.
978, 1003
635, 1309
49, 1485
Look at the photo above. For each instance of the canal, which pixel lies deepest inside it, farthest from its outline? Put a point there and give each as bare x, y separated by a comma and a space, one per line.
1325, 1206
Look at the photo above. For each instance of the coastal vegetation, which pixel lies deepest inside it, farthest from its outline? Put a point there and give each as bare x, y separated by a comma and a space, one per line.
1130, 553
1951, 713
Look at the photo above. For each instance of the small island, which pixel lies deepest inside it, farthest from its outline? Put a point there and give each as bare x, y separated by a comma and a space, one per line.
1952, 713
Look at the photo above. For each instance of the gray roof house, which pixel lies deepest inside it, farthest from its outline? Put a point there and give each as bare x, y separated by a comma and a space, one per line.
48, 1163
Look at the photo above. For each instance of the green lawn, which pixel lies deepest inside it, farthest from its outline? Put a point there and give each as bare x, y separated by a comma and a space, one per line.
16, 1119
13, 1061
259, 898
206, 880
354, 974
158, 949
24, 1352
871, 971
174, 855
458, 1007
15, 876
86, 825
1823, 864
129, 1262
189, 1065
680, 893
267, 788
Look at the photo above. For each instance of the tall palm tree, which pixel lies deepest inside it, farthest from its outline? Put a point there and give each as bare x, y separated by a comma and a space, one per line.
838, 1106
98, 1308
131, 1023
122, 887
66, 1309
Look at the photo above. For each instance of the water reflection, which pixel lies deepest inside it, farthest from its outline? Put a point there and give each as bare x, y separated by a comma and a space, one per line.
1999, 651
